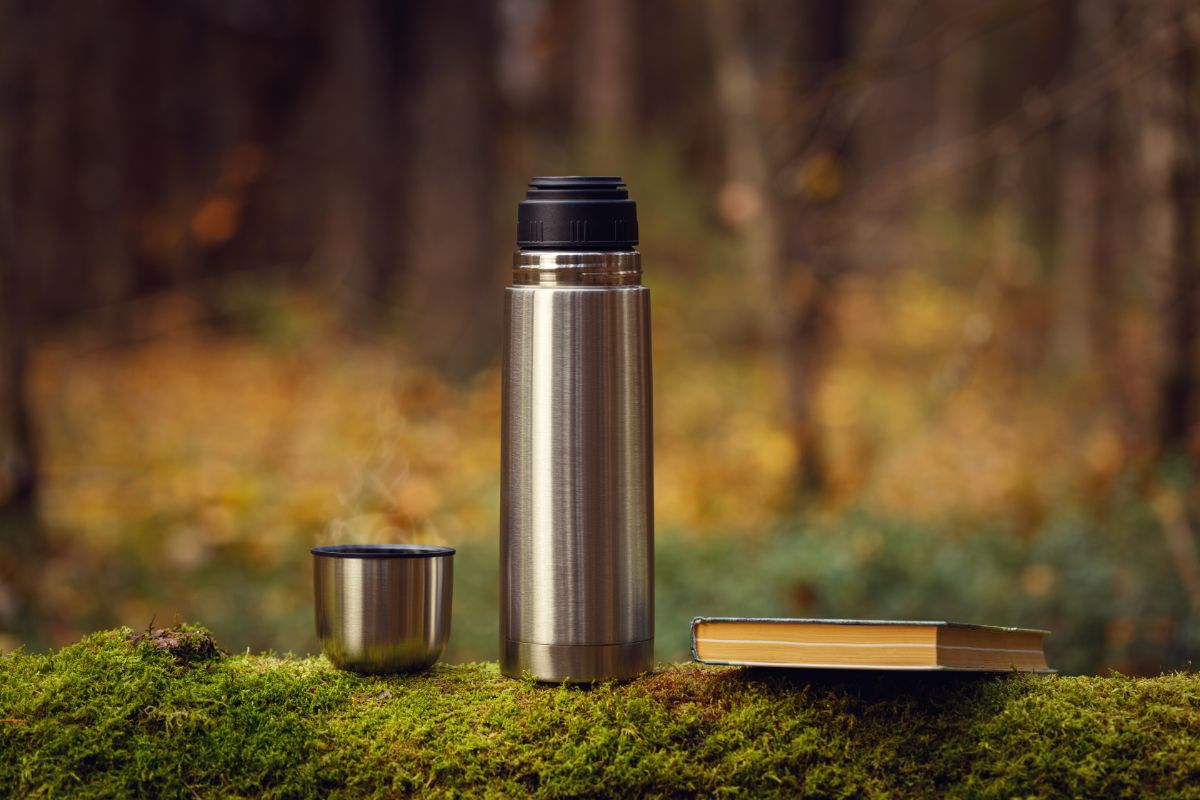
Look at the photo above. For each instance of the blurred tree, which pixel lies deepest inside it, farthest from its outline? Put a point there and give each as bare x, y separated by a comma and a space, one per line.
747, 200
452, 280
21, 537
604, 87
355, 252
788, 154
792, 314
1178, 421
816, 243
1095, 242
675, 98
1081, 236
955, 68
18, 454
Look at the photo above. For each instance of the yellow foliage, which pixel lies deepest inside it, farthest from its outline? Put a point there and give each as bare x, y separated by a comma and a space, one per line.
820, 176
216, 444
216, 221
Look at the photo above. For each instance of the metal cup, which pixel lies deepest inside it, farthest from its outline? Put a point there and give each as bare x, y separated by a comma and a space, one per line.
383, 607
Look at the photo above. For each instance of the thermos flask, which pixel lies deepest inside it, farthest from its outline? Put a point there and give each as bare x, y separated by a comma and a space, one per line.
576, 500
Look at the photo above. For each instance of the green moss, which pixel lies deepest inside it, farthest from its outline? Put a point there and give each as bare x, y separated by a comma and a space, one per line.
188, 643
111, 717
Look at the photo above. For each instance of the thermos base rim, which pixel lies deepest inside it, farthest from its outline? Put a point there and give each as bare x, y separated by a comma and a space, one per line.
576, 663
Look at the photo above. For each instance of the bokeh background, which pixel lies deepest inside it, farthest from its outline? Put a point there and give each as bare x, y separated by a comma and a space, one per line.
925, 282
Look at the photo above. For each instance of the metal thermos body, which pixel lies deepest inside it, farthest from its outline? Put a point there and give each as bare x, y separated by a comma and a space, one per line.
577, 525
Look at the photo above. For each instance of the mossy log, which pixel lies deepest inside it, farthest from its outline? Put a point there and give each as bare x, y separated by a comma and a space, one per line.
170, 715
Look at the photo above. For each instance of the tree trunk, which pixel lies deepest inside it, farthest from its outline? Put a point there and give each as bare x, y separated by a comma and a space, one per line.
604, 82
21, 540
747, 191
18, 455
350, 103
17, 446
454, 272
794, 307
1081, 209
1182, 315
817, 262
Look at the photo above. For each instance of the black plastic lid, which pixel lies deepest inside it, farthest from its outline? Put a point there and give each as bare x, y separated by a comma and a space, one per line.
577, 212
382, 550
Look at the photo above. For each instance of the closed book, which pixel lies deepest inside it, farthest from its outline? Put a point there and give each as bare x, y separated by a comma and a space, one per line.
867, 644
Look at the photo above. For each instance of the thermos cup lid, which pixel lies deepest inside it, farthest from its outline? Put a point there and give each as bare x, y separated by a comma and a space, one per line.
577, 212
382, 551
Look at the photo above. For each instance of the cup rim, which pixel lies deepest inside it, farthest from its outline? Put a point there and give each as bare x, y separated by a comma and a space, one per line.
382, 551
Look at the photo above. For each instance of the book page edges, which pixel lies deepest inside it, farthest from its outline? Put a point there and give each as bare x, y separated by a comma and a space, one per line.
866, 644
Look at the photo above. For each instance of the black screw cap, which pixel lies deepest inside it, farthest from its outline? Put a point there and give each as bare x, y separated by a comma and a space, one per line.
576, 212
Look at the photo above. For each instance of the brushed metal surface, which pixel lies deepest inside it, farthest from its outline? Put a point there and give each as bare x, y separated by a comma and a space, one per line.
383, 608
558, 268
578, 663
577, 529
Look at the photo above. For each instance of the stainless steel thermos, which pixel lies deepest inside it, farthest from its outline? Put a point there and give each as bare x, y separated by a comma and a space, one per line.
577, 510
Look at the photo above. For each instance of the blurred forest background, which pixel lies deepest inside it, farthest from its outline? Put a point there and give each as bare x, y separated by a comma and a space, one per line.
926, 281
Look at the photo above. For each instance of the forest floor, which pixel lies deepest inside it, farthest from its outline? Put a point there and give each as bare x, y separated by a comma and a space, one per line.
171, 715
